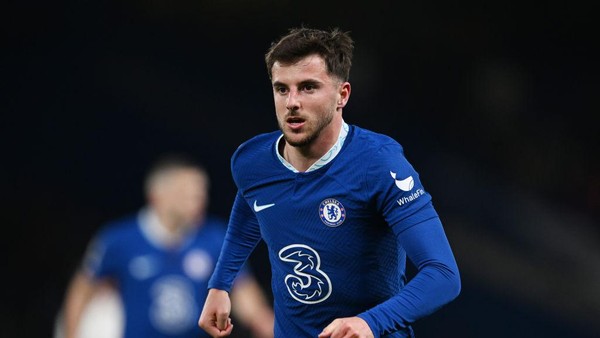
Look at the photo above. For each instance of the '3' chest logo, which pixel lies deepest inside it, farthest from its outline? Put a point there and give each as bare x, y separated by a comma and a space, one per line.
306, 282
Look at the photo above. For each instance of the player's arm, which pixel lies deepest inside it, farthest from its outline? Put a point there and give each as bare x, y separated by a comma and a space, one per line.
251, 306
241, 238
436, 283
90, 277
79, 293
215, 317
408, 210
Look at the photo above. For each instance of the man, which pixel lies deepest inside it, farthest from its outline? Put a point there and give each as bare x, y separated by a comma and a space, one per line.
339, 207
160, 260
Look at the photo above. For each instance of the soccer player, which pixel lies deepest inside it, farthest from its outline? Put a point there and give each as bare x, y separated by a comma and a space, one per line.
160, 259
339, 207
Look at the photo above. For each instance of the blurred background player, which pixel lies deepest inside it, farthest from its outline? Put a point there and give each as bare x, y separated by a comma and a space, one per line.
145, 275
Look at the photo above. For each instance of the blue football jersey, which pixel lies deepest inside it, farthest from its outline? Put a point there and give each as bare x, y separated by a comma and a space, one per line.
162, 289
338, 236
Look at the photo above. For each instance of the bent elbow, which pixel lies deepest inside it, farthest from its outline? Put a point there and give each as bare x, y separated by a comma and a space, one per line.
455, 286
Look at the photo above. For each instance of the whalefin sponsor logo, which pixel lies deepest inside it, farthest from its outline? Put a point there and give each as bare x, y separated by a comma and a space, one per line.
407, 184
406, 199
258, 208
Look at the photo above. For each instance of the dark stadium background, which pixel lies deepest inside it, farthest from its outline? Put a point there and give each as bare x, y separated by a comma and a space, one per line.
495, 103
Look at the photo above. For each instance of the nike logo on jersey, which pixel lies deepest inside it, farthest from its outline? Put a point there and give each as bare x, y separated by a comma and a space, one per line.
258, 208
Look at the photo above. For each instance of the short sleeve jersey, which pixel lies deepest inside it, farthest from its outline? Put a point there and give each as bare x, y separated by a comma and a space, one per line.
162, 289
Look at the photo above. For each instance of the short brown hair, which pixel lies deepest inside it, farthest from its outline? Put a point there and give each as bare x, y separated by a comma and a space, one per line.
334, 46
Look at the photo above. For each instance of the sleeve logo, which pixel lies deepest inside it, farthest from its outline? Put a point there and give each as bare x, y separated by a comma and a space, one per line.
406, 184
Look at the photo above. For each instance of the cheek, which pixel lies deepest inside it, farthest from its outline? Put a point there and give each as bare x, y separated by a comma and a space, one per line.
280, 110
190, 212
189, 205
279, 102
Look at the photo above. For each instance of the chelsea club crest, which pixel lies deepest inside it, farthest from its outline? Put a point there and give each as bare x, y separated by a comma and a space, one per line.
332, 212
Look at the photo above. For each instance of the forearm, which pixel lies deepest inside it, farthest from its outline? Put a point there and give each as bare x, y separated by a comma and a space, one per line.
250, 305
78, 296
436, 283
242, 236
423, 295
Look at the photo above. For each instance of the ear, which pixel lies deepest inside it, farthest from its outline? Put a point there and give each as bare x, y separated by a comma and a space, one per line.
344, 92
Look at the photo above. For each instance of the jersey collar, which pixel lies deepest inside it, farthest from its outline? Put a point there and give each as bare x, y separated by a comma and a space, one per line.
155, 232
326, 158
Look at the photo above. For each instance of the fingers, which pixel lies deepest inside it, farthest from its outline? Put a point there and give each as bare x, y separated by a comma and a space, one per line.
216, 324
353, 327
215, 329
328, 330
227, 330
214, 318
223, 321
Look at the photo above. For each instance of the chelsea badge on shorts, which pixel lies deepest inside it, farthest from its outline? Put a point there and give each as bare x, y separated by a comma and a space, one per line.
332, 212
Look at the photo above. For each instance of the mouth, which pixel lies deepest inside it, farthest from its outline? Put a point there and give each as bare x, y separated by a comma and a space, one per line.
295, 123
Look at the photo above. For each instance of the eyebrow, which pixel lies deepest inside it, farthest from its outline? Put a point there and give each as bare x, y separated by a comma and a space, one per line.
301, 84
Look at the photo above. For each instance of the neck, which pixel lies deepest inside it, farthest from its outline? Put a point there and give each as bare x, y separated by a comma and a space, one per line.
304, 157
173, 231
157, 232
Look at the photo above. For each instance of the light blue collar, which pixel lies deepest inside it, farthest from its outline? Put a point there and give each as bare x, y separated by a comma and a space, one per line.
326, 158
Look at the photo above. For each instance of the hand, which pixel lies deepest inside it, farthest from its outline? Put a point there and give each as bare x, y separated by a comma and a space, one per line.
214, 318
350, 327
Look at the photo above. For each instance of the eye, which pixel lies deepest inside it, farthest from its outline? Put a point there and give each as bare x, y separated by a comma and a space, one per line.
280, 90
309, 87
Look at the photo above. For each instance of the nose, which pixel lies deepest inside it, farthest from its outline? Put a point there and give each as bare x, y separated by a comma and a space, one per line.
292, 102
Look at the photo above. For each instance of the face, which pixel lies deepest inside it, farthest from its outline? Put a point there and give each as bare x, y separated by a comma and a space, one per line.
307, 100
181, 196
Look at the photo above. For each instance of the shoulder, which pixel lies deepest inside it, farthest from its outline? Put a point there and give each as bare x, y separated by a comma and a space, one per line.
211, 233
373, 145
373, 138
122, 228
257, 146
110, 239
256, 159
382, 157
